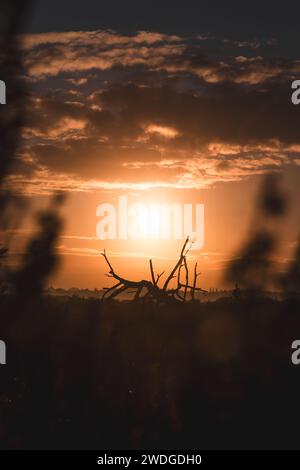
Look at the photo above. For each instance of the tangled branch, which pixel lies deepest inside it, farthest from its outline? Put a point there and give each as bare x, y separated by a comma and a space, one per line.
145, 289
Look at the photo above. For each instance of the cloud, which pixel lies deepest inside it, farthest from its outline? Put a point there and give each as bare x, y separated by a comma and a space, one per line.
164, 131
51, 54
103, 37
107, 111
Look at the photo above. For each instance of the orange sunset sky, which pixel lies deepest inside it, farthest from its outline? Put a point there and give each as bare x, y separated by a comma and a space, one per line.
160, 117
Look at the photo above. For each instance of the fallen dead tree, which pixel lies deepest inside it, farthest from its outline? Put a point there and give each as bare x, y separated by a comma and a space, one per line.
146, 289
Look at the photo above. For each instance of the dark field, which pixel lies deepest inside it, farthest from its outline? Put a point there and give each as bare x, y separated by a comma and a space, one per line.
85, 375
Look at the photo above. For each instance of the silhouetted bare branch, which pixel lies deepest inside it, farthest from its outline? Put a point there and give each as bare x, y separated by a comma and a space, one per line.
153, 291
177, 266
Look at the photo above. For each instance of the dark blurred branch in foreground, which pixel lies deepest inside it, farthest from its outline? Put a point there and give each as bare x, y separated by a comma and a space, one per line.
12, 16
40, 260
252, 269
